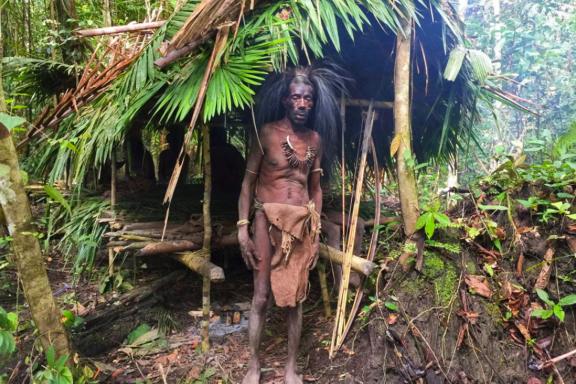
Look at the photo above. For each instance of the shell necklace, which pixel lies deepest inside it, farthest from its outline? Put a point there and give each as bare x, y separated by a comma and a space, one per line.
293, 160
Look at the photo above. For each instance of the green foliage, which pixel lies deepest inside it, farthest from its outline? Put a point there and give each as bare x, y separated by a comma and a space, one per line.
78, 229
553, 308
55, 195
11, 122
534, 38
8, 327
432, 219
56, 371
144, 340
70, 320
565, 142
479, 62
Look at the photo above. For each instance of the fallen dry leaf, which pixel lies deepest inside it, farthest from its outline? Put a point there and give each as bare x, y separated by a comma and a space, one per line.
478, 284
571, 243
523, 330
500, 233
544, 276
470, 316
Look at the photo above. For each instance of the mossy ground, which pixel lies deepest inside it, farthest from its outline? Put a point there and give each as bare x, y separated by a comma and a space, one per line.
443, 276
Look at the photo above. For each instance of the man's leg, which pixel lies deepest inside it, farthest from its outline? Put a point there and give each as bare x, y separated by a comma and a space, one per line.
294, 318
260, 298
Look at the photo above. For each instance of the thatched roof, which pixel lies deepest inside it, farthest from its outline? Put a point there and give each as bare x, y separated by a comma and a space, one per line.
224, 49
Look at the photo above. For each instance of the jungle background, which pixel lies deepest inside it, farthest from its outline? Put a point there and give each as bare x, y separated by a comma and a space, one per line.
494, 300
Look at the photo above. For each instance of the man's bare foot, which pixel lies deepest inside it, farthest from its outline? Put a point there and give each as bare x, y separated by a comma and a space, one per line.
290, 377
253, 374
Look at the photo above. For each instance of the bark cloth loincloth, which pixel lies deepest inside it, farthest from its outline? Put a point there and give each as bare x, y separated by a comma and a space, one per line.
293, 231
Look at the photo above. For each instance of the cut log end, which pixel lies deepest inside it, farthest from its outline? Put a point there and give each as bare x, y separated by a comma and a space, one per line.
359, 264
198, 262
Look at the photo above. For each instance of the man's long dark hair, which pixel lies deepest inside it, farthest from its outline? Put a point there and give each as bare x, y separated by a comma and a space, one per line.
329, 83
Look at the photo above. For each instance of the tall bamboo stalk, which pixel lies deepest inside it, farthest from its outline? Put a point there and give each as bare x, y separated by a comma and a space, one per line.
340, 320
206, 153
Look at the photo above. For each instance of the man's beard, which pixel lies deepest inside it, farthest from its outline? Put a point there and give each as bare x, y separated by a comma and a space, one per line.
299, 117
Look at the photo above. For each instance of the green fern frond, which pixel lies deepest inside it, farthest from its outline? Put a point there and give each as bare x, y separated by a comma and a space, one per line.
454, 64
565, 141
480, 63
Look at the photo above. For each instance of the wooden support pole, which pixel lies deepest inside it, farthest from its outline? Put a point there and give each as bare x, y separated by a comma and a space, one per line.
206, 153
321, 266
401, 145
136, 27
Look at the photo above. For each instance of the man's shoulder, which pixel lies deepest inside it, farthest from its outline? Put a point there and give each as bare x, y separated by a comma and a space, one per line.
315, 137
268, 128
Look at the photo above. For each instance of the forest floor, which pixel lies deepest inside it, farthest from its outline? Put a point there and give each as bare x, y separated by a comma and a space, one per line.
426, 336
467, 317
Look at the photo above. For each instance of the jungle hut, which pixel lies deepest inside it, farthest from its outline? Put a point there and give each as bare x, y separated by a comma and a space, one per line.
152, 92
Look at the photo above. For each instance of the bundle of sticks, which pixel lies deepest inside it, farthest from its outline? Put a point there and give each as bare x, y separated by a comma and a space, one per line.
183, 241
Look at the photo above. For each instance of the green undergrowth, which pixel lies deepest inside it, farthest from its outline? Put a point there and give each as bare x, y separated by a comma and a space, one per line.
443, 276
438, 274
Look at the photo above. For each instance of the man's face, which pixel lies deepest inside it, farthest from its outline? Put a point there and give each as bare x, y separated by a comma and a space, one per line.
299, 103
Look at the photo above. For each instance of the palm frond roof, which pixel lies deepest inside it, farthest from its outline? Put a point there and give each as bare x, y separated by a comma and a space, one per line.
269, 35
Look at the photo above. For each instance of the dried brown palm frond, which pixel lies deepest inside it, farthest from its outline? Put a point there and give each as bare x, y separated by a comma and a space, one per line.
207, 15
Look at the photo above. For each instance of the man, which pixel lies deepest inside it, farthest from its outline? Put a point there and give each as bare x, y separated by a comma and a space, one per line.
282, 184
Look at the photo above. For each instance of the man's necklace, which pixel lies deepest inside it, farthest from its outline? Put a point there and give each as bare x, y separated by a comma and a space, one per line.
294, 161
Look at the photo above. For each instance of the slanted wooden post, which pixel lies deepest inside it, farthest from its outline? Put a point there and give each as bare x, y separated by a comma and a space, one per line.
26, 250
206, 153
401, 145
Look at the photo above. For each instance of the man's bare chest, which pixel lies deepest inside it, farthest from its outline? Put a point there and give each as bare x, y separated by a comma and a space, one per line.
290, 152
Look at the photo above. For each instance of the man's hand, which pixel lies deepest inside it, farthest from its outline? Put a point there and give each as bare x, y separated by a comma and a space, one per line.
247, 249
316, 253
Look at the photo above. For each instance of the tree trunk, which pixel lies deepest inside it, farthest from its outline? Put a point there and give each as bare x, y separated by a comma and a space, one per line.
206, 153
26, 249
67, 17
107, 15
403, 132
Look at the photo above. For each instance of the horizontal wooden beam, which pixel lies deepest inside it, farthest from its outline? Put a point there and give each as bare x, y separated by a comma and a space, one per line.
359, 264
366, 103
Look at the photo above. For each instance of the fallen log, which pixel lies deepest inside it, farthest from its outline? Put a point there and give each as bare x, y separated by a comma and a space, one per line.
359, 264
135, 27
198, 262
107, 312
168, 247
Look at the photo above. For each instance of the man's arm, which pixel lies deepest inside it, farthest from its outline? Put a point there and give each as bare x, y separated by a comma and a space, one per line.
246, 196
